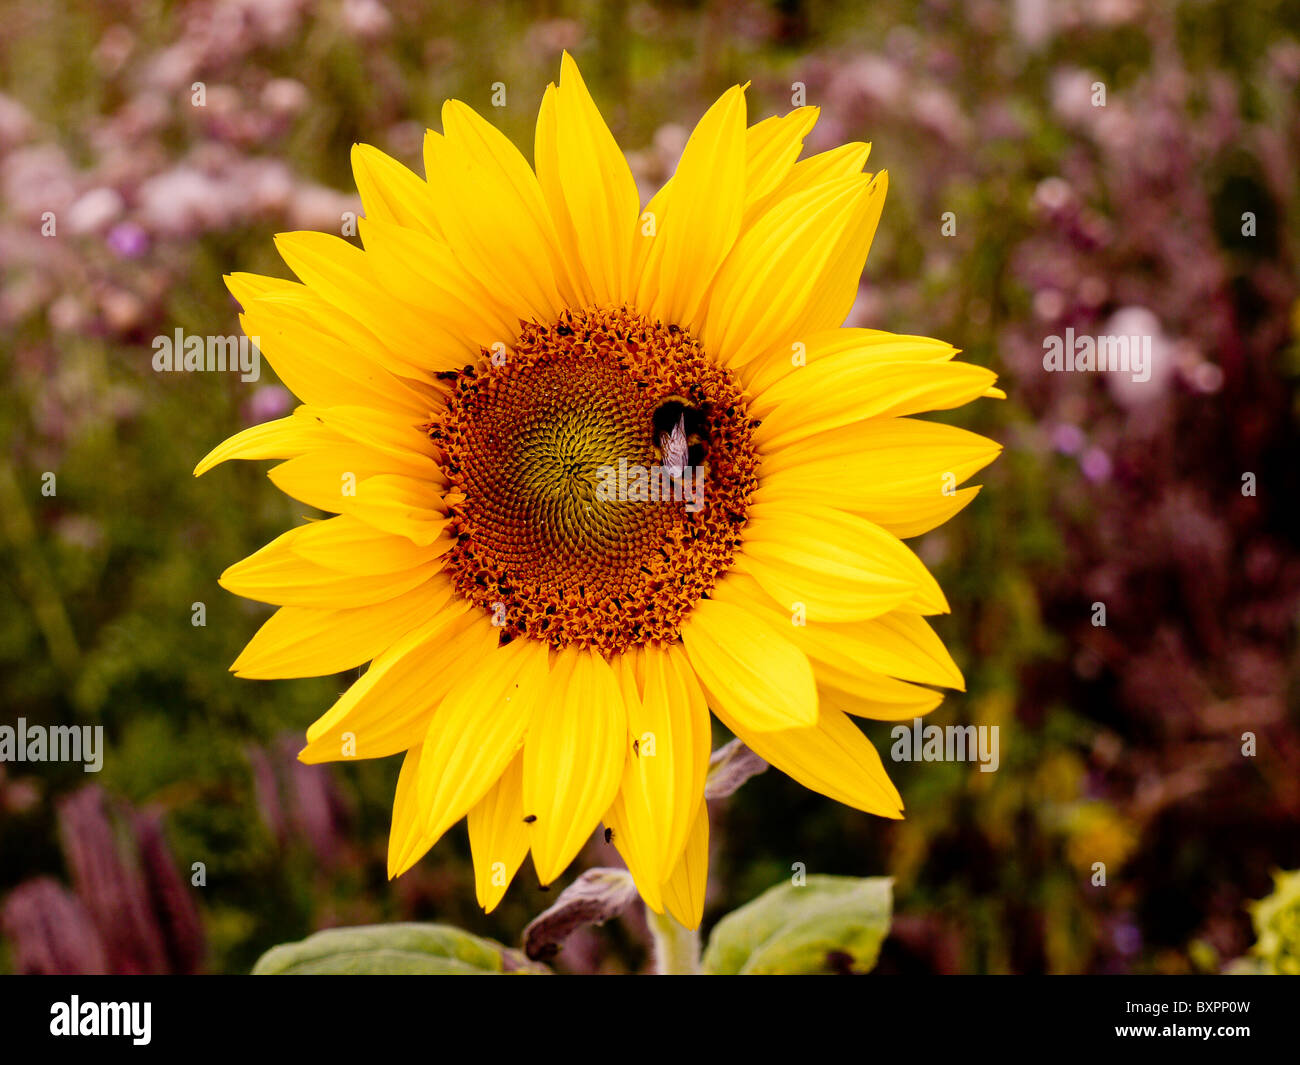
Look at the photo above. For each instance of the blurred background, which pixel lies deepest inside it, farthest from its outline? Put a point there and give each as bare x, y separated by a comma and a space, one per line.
1120, 744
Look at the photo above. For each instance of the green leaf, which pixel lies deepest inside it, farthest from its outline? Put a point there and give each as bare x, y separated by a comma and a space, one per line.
829, 924
396, 949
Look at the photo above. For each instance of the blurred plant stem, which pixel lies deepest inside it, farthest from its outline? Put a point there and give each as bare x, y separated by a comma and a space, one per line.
34, 574
677, 948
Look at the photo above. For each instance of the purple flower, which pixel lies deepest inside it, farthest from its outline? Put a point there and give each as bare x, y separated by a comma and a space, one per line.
128, 240
1096, 465
1068, 439
269, 401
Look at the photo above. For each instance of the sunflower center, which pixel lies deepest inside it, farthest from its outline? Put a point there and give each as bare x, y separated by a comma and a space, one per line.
606, 464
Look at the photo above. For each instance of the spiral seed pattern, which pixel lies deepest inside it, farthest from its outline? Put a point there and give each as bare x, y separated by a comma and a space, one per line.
527, 439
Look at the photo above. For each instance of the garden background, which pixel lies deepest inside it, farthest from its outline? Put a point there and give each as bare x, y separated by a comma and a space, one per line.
1120, 743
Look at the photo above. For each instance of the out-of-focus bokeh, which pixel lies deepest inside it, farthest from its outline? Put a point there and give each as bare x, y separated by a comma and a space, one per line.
1126, 167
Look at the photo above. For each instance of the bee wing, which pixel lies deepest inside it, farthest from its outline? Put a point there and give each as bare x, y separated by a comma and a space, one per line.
675, 449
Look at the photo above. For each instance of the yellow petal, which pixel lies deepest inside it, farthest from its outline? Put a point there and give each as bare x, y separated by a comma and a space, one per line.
281, 439
840, 161
839, 566
765, 296
576, 285
749, 667
403, 506
843, 161
842, 656
902, 453
840, 278
573, 758
663, 782
897, 644
401, 438
424, 272
631, 825
477, 729
771, 148
349, 545
897, 472
392, 193
305, 642
344, 276
868, 346
599, 195
832, 757
390, 707
636, 851
323, 357
647, 252
278, 574
840, 390
912, 516
498, 837
248, 287
683, 893
905, 702
494, 216
407, 843
329, 478
697, 225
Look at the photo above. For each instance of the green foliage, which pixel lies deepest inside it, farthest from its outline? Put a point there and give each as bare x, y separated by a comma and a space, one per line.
395, 949
827, 924
1276, 918
830, 924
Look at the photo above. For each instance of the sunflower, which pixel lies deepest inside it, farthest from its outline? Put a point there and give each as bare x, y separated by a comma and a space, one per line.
544, 652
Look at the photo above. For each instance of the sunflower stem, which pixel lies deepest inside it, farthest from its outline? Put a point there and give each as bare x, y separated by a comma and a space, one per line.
677, 948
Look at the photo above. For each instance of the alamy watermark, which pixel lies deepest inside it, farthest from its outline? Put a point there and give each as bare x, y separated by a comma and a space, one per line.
77, 1018
651, 484
951, 743
194, 354
57, 743
675, 479
1084, 354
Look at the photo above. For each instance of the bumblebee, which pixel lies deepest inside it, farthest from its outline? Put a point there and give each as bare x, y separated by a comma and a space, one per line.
681, 434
